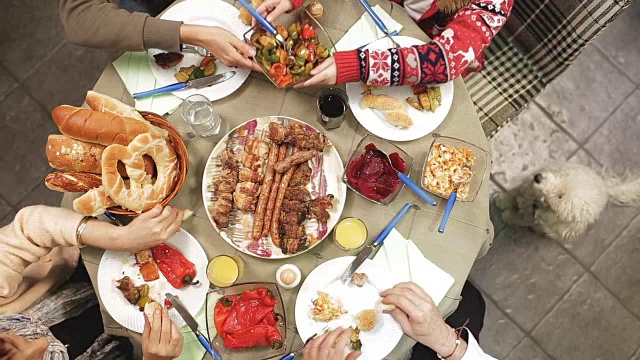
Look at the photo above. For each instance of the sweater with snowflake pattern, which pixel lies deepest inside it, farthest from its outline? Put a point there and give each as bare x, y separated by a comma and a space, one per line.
458, 41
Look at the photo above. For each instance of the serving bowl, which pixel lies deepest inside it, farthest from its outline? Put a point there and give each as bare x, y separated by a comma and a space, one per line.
175, 139
304, 17
479, 168
387, 147
256, 353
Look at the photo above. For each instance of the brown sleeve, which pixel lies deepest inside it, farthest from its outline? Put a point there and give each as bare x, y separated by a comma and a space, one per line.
101, 24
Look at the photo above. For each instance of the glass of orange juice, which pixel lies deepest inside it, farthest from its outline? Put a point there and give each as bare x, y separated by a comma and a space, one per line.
225, 270
350, 234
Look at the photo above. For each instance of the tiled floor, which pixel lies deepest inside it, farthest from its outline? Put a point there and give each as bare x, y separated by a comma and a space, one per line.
552, 301
544, 300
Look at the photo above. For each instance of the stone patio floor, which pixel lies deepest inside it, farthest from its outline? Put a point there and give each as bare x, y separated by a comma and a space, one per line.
545, 300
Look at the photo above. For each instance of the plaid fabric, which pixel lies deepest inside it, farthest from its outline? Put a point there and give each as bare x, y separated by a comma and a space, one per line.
539, 41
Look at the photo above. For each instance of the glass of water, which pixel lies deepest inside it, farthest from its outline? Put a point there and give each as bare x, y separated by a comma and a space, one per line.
198, 112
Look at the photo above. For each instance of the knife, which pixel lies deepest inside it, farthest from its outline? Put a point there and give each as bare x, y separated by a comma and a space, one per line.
364, 254
193, 325
376, 20
191, 84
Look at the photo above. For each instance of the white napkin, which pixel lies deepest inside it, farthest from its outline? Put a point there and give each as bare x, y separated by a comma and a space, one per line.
406, 263
365, 31
192, 348
134, 69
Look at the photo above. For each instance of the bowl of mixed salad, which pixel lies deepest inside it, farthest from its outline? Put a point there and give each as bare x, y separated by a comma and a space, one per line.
306, 46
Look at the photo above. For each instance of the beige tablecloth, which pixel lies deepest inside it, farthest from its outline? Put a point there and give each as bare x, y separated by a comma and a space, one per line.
469, 231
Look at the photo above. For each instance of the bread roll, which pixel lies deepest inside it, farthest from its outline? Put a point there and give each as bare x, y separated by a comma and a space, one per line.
72, 181
392, 108
101, 128
67, 154
107, 104
93, 203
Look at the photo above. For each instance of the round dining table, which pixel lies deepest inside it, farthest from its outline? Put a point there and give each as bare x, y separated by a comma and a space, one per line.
469, 231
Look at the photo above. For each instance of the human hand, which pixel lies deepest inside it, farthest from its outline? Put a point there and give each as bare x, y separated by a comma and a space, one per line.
271, 9
332, 345
323, 74
225, 46
151, 228
419, 317
161, 338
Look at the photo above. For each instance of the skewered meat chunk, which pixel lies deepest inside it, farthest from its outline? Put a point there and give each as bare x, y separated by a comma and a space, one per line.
247, 174
244, 202
296, 135
358, 279
228, 159
248, 188
221, 209
131, 292
257, 147
298, 193
318, 208
251, 161
293, 160
302, 175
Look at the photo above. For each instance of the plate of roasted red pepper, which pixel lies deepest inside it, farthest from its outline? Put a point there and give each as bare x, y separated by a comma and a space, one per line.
127, 282
249, 320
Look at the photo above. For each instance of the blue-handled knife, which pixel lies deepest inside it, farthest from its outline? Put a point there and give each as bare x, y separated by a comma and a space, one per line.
379, 23
191, 84
193, 325
364, 254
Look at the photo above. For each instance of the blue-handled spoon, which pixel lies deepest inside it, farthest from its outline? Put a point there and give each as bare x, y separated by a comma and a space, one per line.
410, 184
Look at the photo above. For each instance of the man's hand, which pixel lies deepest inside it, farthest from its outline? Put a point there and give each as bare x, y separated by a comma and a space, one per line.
161, 339
271, 9
225, 46
419, 317
325, 74
331, 346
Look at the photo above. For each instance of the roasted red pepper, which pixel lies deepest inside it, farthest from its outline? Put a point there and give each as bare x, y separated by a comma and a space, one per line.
248, 320
308, 32
174, 266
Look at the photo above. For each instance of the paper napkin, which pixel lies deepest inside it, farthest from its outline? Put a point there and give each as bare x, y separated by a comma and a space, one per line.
406, 262
192, 348
134, 69
365, 31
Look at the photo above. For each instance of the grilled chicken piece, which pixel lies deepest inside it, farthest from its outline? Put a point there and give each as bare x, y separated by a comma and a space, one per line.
228, 159
301, 176
248, 188
251, 161
245, 202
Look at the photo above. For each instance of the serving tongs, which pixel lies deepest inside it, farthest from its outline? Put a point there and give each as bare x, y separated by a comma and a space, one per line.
265, 24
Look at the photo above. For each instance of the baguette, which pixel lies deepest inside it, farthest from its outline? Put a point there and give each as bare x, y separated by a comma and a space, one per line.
101, 128
67, 154
107, 104
72, 181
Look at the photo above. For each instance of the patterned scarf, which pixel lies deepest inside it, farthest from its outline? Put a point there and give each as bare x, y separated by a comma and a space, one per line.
31, 328
451, 6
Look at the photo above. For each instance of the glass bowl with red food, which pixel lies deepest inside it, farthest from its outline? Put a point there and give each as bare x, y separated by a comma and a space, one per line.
307, 46
249, 321
370, 174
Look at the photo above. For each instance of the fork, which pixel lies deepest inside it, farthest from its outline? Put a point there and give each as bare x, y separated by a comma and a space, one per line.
292, 355
195, 49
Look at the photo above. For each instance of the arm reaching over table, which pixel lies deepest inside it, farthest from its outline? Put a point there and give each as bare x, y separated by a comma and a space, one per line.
455, 50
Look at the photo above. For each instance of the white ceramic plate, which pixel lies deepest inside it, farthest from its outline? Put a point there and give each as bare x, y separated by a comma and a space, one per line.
424, 121
326, 178
376, 344
115, 265
210, 13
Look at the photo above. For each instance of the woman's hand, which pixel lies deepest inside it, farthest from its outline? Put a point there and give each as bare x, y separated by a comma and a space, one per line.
161, 339
271, 9
324, 74
419, 317
225, 46
151, 228
331, 346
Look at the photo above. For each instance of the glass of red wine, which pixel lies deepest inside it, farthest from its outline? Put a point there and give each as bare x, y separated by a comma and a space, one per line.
333, 104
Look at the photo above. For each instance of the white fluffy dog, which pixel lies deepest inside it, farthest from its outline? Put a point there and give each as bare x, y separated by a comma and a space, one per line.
562, 201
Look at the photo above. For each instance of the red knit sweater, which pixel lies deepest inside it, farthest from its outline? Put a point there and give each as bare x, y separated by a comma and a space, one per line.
456, 48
